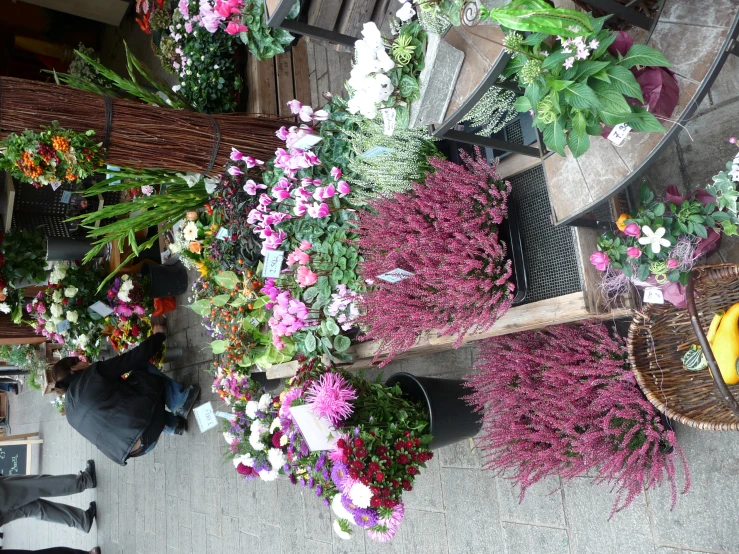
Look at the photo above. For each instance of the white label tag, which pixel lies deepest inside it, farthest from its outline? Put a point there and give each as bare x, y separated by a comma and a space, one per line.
254, 321
222, 234
63, 326
225, 415
273, 263
395, 275
375, 151
318, 432
389, 117
619, 133
66, 197
101, 309
653, 295
205, 416
305, 142
55, 185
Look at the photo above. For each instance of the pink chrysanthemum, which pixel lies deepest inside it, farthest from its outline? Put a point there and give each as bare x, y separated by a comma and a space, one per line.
382, 533
331, 396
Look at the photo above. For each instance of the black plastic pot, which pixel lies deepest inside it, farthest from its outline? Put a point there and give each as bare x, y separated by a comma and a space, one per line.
166, 280
452, 420
65, 249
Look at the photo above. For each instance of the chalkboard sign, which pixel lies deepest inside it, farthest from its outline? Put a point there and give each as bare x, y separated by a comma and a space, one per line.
13, 459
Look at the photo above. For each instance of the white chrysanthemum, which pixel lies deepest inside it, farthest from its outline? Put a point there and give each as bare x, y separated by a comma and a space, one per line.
360, 495
275, 425
251, 409
264, 402
256, 442
190, 232
265, 475
70, 292
247, 459
56, 310
230, 439
338, 508
82, 341
276, 458
5, 307
57, 296
283, 440
258, 428
340, 532
124, 292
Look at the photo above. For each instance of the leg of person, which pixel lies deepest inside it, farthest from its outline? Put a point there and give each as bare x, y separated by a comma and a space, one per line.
53, 512
174, 425
56, 550
178, 398
9, 387
17, 490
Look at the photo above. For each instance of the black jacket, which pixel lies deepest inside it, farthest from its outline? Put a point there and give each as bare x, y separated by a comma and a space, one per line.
113, 413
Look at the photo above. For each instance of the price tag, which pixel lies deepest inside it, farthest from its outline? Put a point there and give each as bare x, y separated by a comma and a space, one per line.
255, 322
396, 275
653, 295
226, 415
306, 142
389, 117
619, 133
55, 185
375, 151
222, 234
273, 263
63, 326
66, 197
101, 309
205, 416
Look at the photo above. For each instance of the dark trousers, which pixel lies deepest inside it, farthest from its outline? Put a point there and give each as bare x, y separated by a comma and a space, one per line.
57, 550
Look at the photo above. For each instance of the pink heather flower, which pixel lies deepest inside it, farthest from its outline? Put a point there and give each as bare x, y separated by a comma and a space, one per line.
282, 133
331, 396
236, 155
672, 264
569, 62
234, 171
295, 106
632, 230
251, 187
343, 188
336, 173
600, 260
306, 277
316, 211
306, 114
633, 252
305, 245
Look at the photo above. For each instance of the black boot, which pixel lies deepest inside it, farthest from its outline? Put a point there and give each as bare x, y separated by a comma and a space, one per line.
90, 470
181, 426
91, 514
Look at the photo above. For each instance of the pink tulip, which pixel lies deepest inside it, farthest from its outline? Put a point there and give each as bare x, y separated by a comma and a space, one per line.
633, 252
632, 230
600, 260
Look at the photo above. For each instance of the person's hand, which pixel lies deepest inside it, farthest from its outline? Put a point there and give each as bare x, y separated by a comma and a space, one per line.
159, 329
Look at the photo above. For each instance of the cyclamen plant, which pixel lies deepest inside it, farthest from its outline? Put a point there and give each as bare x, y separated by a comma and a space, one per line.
449, 244
563, 402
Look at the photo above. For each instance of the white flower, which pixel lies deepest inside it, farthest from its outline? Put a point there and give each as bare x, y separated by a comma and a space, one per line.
191, 179
123, 292
283, 440
255, 442
340, 532
72, 316
174, 247
57, 296
58, 273
265, 475
406, 12
190, 231
275, 425
372, 34
385, 61
360, 495
251, 409
176, 88
56, 310
654, 238
247, 459
264, 401
338, 508
230, 439
82, 341
5, 307
50, 327
210, 185
276, 458
70, 292
258, 428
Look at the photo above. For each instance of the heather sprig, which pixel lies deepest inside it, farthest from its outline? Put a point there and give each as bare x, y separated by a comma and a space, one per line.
563, 402
493, 111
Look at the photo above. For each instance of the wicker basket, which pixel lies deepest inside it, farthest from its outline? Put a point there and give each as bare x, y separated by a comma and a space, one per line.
659, 336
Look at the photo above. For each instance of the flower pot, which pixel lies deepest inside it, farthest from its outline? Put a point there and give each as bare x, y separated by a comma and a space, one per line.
64, 249
452, 420
166, 280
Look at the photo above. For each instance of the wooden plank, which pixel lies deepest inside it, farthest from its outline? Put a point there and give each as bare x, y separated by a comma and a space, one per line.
300, 72
284, 370
285, 85
335, 74
324, 13
517, 163
262, 86
354, 15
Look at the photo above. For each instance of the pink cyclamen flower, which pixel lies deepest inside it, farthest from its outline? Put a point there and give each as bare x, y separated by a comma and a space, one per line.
280, 194
306, 277
632, 230
300, 209
300, 257
234, 28
251, 187
331, 396
600, 260
252, 162
306, 114
305, 245
318, 211
282, 133
234, 171
343, 188
236, 155
633, 252
320, 115
295, 106
672, 264
336, 173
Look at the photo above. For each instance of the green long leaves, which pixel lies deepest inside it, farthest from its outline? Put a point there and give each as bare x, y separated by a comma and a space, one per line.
537, 16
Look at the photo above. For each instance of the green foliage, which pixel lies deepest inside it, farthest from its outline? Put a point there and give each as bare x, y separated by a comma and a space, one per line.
263, 42
492, 112
407, 50
24, 254
724, 189
26, 356
536, 16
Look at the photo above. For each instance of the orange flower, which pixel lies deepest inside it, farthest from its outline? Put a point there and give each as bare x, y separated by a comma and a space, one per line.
621, 222
60, 143
70, 176
195, 247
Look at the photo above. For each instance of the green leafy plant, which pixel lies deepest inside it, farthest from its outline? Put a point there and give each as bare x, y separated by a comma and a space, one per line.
493, 111
81, 69
536, 16
26, 356
24, 256
264, 42
724, 189
574, 86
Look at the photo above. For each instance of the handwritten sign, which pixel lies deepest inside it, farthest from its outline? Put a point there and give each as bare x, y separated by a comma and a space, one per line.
318, 431
389, 118
619, 133
653, 295
222, 234
273, 263
375, 151
66, 197
307, 141
396, 275
205, 416
101, 309
13, 459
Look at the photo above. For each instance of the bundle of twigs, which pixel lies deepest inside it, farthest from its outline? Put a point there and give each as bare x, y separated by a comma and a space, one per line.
140, 135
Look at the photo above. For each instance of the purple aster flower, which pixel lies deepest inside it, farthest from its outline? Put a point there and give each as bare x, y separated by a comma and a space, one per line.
319, 490
304, 450
303, 483
293, 479
356, 431
286, 467
348, 504
327, 502
311, 482
364, 517
339, 474
384, 534
325, 474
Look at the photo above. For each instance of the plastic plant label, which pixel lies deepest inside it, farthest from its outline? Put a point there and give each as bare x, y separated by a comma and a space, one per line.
205, 416
254, 321
55, 185
375, 151
226, 415
317, 431
222, 234
101, 309
396, 275
652, 295
619, 133
66, 197
307, 142
273, 263
63, 326
389, 117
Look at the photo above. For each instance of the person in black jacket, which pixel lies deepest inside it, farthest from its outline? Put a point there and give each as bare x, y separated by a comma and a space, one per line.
124, 418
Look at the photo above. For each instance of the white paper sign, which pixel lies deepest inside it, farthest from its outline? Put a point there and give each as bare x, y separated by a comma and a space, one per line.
55, 185
63, 326
653, 295
205, 416
101, 309
273, 263
222, 233
619, 133
389, 117
396, 275
66, 197
226, 415
375, 151
307, 141
318, 432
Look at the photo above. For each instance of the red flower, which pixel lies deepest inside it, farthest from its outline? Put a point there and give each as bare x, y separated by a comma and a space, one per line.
375, 502
399, 445
407, 485
358, 443
244, 470
412, 470
388, 503
276, 439
380, 477
353, 473
381, 450
373, 467
407, 433
357, 464
403, 459
341, 443
135, 331
65, 301
361, 453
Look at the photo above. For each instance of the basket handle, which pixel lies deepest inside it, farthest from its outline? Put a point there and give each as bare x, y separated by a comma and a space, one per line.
707, 352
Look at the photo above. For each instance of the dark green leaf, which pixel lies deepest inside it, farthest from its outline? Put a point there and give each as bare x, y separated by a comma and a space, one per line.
639, 54
578, 144
624, 82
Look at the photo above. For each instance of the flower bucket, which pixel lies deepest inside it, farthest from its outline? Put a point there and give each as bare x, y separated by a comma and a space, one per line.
452, 420
166, 280
65, 249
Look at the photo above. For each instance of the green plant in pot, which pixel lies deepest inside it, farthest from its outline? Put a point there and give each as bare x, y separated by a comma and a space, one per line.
572, 86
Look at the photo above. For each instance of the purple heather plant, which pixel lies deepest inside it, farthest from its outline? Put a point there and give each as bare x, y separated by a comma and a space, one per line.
564, 402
